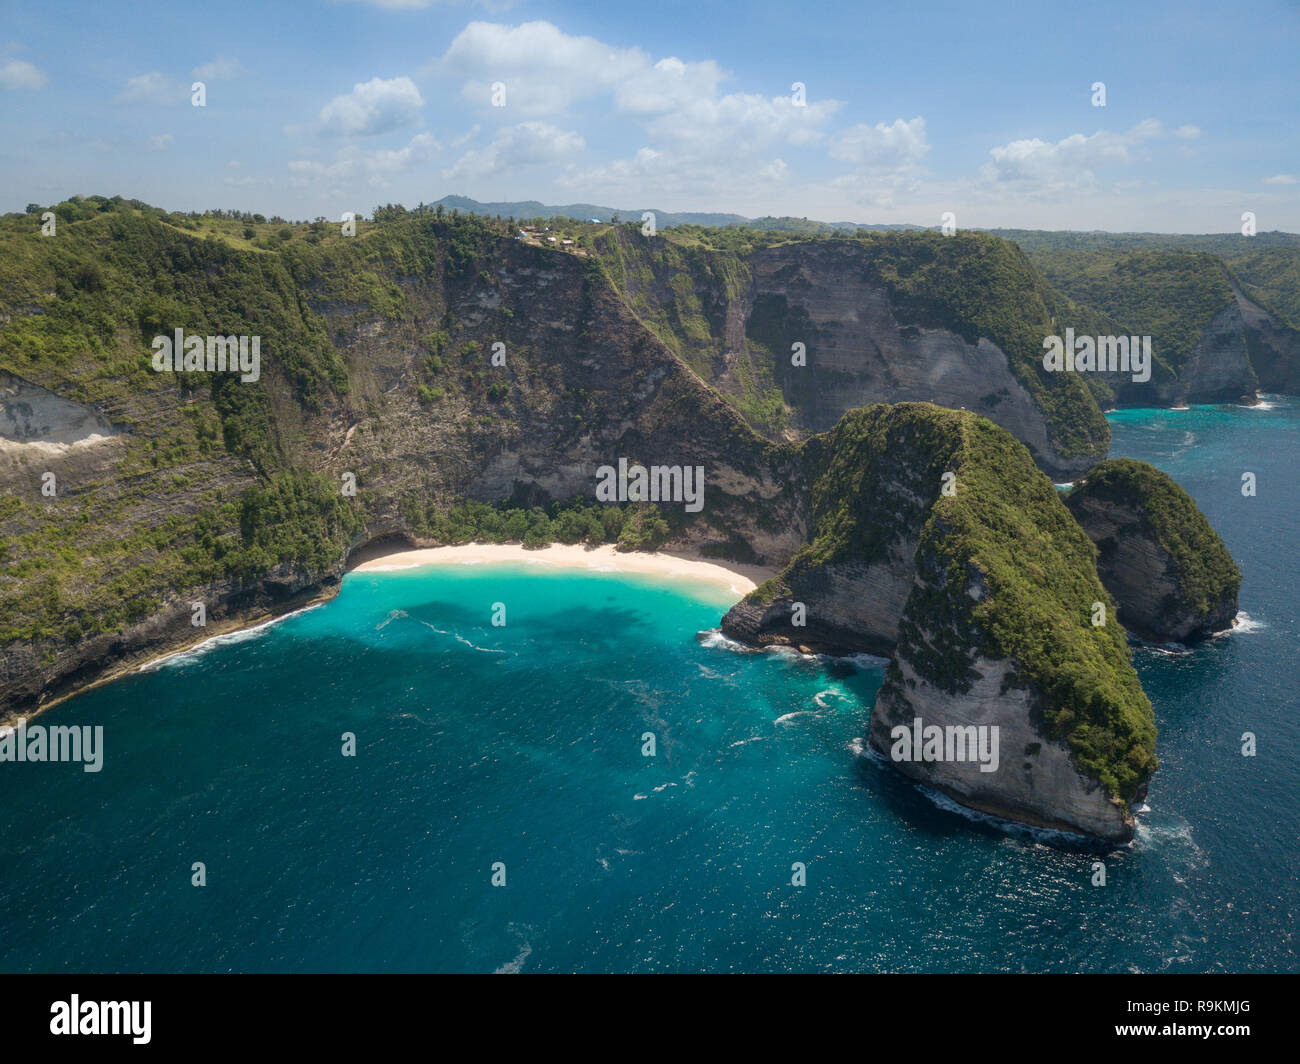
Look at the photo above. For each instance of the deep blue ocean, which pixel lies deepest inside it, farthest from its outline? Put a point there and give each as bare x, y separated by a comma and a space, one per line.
522, 745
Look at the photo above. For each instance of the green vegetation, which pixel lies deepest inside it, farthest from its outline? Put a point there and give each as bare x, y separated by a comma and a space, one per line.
630, 527
875, 475
295, 518
768, 591
1203, 568
1168, 295
1267, 264
116, 275
1007, 530
1007, 573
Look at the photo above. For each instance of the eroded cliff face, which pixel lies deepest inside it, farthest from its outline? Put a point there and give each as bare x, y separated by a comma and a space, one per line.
861, 353
40, 433
1036, 781
1156, 554
587, 385
736, 318
583, 385
1219, 368
1273, 345
1211, 343
934, 539
858, 607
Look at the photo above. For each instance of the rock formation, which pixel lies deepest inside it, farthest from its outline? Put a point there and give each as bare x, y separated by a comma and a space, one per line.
1156, 553
934, 537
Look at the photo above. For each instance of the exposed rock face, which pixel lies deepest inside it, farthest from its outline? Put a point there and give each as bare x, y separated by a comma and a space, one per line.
1219, 368
863, 340
31, 415
864, 354
857, 608
42, 432
1210, 341
1037, 781
1274, 346
935, 539
1156, 553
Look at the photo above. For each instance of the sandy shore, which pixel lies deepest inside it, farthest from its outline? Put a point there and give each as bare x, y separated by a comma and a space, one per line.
737, 578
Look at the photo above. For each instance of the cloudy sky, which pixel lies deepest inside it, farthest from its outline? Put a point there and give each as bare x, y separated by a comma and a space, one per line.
907, 110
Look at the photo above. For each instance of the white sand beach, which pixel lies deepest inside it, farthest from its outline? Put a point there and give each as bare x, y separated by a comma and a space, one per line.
738, 578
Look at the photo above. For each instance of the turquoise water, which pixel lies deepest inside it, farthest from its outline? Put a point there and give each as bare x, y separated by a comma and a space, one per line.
522, 744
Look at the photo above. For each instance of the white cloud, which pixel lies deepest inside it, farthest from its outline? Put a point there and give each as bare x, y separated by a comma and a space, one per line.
352, 167
153, 87
372, 107
668, 85
546, 70
515, 147
740, 125
696, 139
1187, 132
1282, 179
1041, 168
20, 74
221, 67
467, 136
708, 151
161, 141
901, 145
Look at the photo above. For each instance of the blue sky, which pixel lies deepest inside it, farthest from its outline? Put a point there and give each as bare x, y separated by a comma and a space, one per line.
911, 109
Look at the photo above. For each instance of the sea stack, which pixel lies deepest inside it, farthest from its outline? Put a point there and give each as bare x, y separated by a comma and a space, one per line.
936, 538
1168, 569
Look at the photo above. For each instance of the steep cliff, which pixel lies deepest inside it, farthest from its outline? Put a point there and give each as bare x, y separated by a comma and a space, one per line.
935, 538
1273, 345
1156, 553
376, 369
1210, 343
880, 317
445, 367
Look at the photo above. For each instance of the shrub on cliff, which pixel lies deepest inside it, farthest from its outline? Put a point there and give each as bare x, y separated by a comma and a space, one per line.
1203, 570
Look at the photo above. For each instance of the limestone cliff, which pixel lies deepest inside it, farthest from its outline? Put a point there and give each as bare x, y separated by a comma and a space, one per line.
933, 536
1156, 553
432, 360
1273, 345
171, 489
1210, 343
888, 317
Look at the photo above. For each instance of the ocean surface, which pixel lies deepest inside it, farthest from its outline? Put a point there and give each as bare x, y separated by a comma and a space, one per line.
522, 746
